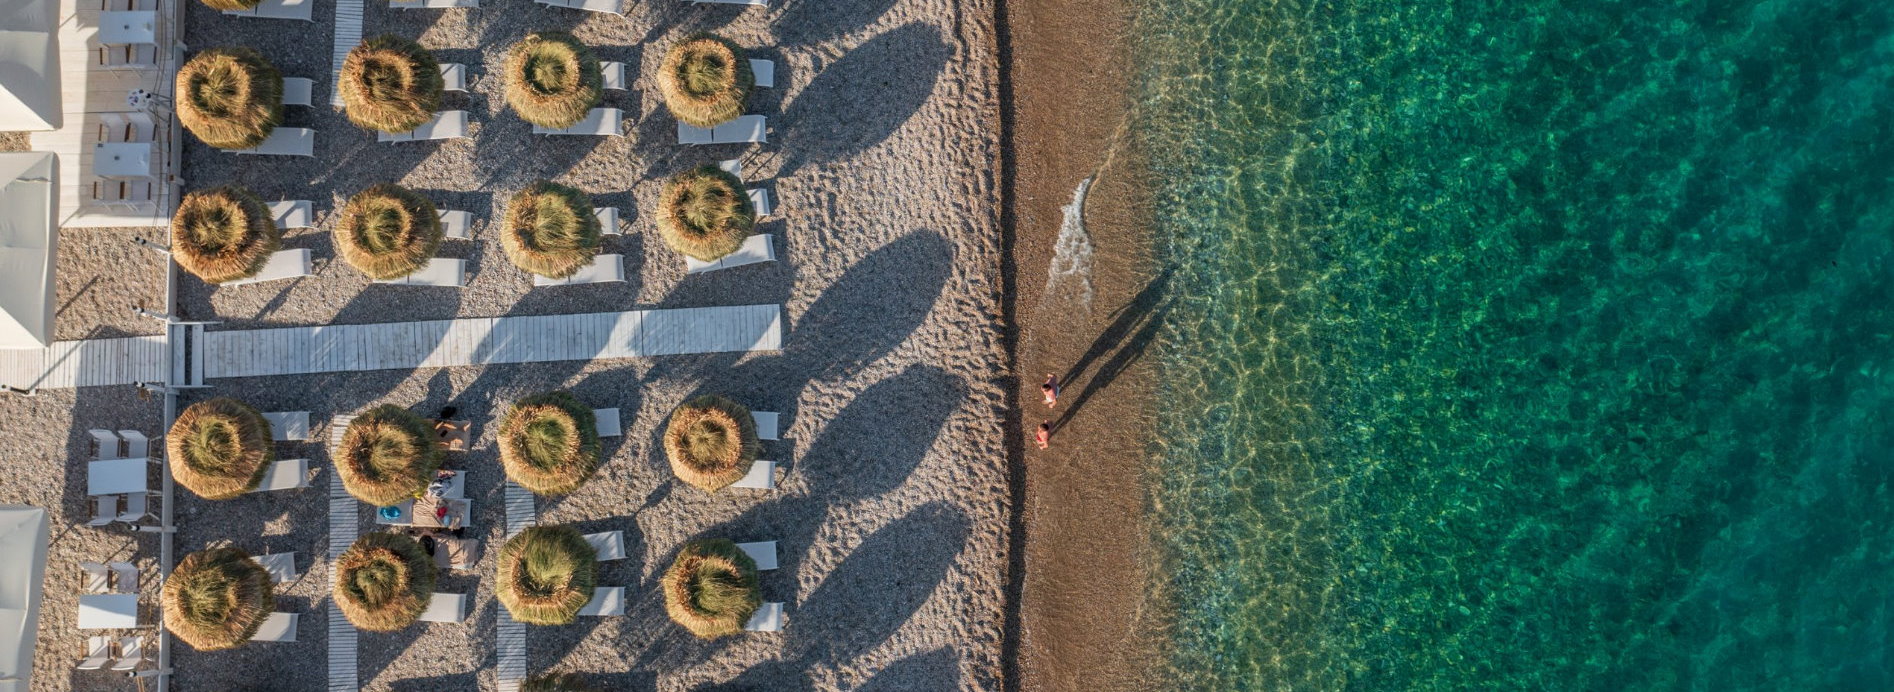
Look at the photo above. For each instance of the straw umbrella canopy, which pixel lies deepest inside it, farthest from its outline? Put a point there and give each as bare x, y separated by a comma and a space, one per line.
705, 80
547, 574
387, 455
390, 84
549, 443
223, 234
710, 442
388, 231
704, 213
549, 230
217, 598
711, 588
231, 4
552, 80
230, 97
219, 448
383, 581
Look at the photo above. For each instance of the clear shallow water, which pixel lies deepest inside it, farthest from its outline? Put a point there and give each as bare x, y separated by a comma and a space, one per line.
1525, 345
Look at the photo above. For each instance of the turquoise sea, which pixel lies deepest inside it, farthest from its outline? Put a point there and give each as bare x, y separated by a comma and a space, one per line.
1525, 344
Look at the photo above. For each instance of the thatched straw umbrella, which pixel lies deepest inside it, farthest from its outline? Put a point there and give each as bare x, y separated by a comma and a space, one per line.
387, 455
711, 442
383, 581
217, 598
546, 575
558, 682
219, 448
223, 234
231, 4
390, 84
230, 97
704, 213
388, 231
549, 443
549, 230
552, 79
711, 588
705, 80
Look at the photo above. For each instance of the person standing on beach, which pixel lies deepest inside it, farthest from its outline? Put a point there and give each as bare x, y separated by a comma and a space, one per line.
1050, 390
1044, 436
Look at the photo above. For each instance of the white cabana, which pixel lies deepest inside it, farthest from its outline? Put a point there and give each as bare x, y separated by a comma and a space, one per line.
23, 533
29, 65
29, 241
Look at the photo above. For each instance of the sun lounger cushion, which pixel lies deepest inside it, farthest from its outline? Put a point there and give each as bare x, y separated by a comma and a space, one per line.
278, 627
762, 476
608, 425
440, 271
293, 213
597, 122
763, 552
284, 141
284, 264
298, 91
768, 618
288, 426
603, 269
606, 601
765, 424
765, 73
755, 249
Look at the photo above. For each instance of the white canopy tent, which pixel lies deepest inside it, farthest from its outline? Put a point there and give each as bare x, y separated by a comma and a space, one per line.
23, 533
29, 65
29, 242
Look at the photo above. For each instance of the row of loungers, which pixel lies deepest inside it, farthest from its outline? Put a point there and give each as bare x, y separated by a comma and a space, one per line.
304, 10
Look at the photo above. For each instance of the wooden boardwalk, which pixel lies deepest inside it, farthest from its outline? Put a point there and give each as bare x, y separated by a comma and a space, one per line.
348, 35
509, 670
490, 340
88, 363
344, 525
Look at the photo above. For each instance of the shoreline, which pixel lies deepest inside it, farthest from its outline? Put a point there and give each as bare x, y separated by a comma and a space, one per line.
1081, 553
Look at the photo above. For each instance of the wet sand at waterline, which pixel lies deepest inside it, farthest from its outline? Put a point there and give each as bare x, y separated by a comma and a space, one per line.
1081, 266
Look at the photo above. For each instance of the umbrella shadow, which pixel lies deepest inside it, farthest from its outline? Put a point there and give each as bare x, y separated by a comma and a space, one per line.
860, 100
814, 21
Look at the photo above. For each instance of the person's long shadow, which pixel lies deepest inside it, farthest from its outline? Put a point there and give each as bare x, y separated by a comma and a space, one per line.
859, 101
1124, 321
865, 600
1129, 353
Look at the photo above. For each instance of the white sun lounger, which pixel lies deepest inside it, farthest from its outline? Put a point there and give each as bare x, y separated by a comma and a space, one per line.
603, 269
107, 443
298, 91
104, 510
278, 627
432, 4
765, 73
732, 166
745, 129
601, 6
285, 474
281, 566
445, 125
136, 509
131, 652
293, 213
98, 651
759, 200
280, 9
610, 545
763, 552
94, 578
440, 271
762, 476
765, 424
768, 618
453, 76
457, 224
755, 249
614, 74
284, 141
608, 425
607, 220
600, 122
137, 446
606, 601
445, 607
288, 426
284, 264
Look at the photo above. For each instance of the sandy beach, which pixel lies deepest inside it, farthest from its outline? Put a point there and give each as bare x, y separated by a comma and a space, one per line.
892, 508
1087, 306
